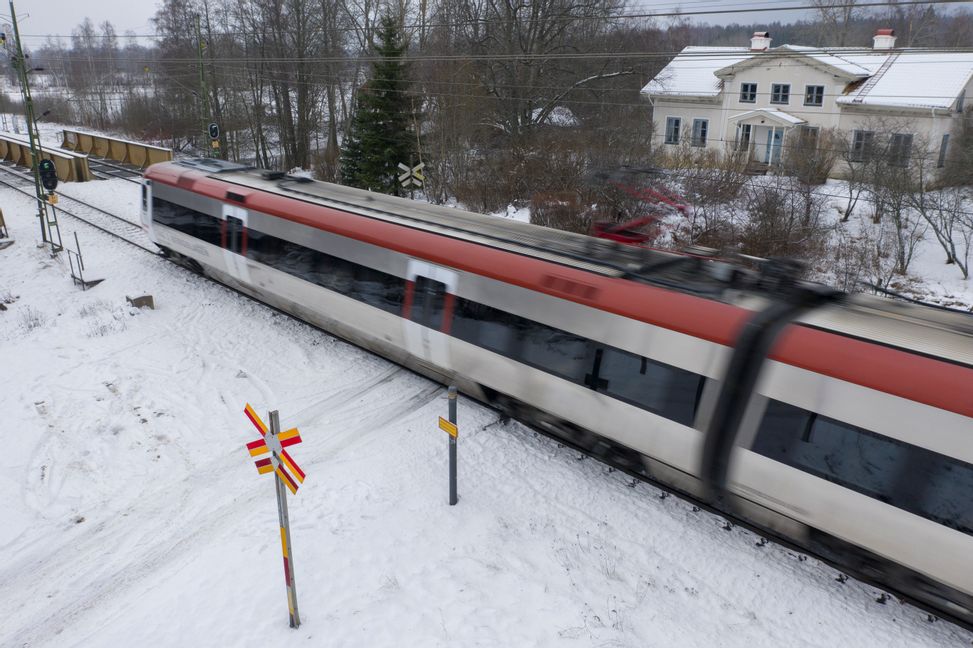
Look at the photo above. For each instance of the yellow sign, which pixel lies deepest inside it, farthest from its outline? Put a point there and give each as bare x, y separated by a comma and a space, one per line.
52, 198
448, 428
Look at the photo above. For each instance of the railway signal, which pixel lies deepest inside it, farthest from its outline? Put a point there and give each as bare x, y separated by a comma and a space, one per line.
287, 473
48, 174
214, 134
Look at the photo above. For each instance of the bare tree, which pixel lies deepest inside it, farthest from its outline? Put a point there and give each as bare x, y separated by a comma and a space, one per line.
944, 211
835, 18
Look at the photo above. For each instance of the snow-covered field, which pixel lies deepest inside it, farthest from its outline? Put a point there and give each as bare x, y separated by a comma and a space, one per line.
133, 515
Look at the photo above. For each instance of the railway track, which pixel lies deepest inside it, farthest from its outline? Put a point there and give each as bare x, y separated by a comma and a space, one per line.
104, 169
103, 220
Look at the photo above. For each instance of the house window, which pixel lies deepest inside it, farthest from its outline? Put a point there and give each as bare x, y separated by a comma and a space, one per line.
700, 130
900, 149
809, 137
942, 152
672, 130
862, 145
780, 93
748, 92
960, 101
744, 131
814, 95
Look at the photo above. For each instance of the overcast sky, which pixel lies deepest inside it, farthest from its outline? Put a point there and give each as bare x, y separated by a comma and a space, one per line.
41, 17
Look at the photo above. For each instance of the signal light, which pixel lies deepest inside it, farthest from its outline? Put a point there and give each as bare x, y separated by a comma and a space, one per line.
48, 174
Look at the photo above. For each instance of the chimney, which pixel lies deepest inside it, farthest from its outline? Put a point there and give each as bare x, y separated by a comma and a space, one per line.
760, 42
884, 39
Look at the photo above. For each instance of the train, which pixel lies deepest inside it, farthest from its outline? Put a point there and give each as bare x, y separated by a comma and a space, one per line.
840, 424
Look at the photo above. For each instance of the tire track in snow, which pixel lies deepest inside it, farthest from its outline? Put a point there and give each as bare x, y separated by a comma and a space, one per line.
145, 534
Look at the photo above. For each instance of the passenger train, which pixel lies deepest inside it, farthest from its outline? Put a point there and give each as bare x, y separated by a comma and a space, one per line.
840, 424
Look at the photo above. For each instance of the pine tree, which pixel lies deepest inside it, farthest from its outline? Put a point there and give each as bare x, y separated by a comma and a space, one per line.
381, 130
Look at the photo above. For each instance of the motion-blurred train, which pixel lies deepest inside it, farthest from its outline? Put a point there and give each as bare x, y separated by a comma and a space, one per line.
840, 424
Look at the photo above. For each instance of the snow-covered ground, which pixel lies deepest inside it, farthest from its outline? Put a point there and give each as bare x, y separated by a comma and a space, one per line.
133, 515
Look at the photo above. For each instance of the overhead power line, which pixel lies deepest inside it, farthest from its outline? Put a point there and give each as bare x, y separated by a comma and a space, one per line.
674, 13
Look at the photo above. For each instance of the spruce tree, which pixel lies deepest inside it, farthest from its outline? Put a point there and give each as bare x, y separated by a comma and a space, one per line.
381, 130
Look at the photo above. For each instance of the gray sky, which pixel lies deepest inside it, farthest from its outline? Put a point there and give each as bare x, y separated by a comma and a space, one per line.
61, 16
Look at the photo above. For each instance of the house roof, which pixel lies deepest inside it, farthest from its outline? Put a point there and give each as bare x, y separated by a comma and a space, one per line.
915, 79
906, 78
814, 55
772, 114
691, 72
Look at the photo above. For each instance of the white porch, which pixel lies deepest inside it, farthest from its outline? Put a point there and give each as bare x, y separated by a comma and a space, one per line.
762, 133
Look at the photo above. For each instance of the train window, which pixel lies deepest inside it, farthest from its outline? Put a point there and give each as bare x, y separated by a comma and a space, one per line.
903, 475
946, 496
553, 350
263, 248
373, 287
332, 273
836, 451
296, 260
853, 457
379, 289
188, 221
782, 427
484, 326
660, 388
428, 302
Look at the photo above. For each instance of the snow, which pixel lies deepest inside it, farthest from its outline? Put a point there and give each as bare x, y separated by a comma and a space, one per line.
559, 116
779, 115
917, 79
133, 514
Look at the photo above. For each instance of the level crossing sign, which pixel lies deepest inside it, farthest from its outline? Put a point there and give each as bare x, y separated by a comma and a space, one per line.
279, 461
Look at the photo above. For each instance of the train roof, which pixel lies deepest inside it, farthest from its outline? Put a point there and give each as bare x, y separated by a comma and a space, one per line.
926, 330
697, 272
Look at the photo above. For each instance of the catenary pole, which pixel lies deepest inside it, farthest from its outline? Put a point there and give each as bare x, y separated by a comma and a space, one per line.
205, 115
20, 62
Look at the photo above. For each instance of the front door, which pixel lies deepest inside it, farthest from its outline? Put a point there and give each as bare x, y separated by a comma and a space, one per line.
775, 142
235, 242
426, 329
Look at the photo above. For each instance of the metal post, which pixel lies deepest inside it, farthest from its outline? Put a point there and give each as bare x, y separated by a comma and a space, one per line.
452, 447
285, 532
35, 144
205, 115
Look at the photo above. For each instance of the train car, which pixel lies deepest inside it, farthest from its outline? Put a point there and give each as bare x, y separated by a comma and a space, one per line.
840, 424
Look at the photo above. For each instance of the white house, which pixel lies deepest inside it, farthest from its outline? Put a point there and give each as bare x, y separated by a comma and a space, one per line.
757, 98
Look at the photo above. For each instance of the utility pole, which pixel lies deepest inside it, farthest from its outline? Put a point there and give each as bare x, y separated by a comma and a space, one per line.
205, 114
20, 63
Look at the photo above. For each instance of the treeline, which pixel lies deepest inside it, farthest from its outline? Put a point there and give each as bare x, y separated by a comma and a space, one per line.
507, 101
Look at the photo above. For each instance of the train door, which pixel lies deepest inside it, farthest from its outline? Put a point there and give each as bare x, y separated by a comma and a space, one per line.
147, 208
235, 242
430, 312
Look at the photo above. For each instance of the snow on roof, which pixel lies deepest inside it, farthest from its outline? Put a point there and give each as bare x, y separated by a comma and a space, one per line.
772, 113
691, 72
829, 58
915, 79
912, 78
